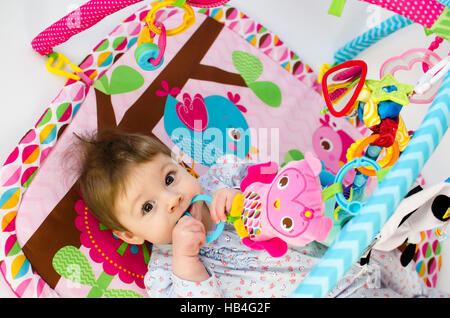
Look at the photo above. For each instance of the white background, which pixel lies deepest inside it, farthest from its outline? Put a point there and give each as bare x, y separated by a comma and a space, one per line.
26, 88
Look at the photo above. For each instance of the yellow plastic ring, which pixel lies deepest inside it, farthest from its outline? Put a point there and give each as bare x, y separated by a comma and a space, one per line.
388, 160
382, 162
188, 18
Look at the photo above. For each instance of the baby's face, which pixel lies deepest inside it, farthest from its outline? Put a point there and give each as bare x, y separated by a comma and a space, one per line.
157, 193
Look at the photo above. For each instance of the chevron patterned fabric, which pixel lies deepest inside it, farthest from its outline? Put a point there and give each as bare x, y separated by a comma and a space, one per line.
365, 40
445, 2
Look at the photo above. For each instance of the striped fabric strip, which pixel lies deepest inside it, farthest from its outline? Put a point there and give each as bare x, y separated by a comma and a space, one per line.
444, 2
365, 40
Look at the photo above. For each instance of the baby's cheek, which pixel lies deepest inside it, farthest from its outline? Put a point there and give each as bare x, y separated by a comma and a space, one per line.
161, 235
195, 185
198, 187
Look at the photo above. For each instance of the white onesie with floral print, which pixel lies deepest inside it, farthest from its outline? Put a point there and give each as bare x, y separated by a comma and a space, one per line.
237, 271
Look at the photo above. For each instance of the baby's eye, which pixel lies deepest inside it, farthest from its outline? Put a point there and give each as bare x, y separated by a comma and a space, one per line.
170, 178
147, 207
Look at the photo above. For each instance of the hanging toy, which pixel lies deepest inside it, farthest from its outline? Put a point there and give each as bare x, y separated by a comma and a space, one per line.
336, 7
150, 56
377, 104
405, 63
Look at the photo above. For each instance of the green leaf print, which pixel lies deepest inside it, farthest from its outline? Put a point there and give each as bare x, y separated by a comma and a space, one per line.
124, 79
251, 68
268, 92
248, 65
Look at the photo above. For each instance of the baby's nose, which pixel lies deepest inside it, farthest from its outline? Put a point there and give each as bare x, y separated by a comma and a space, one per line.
175, 202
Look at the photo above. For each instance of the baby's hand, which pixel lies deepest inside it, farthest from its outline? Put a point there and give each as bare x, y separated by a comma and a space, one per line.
221, 204
187, 237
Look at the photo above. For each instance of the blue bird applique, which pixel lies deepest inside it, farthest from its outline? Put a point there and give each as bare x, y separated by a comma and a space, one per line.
207, 128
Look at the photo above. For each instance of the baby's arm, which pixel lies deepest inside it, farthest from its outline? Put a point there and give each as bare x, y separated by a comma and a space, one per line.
227, 174
161, 281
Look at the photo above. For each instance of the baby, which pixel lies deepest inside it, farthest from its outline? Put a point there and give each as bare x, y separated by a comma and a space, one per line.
135, 186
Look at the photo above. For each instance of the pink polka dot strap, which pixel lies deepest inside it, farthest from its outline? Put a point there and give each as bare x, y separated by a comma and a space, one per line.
75, 22
424, 12
88, 15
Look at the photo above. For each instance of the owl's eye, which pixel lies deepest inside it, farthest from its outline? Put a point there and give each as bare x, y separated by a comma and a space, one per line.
234, 134
326, 144
283, 182
287, 223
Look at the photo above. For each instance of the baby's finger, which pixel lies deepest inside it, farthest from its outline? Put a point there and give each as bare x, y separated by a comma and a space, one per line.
189, 223
195, 225
212, 209
229, 202
201, 237
219, 208
197, 231
198, 228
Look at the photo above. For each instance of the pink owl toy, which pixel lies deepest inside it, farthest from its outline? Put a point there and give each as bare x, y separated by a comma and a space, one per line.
280, 208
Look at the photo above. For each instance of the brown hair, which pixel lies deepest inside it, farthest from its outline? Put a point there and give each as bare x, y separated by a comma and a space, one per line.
107, 158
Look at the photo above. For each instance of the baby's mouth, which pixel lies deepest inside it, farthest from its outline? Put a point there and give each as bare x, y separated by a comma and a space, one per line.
193, 210
189, 209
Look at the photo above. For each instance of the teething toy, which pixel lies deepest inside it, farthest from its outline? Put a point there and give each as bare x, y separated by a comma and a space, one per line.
356, 150
150, 56
220, 226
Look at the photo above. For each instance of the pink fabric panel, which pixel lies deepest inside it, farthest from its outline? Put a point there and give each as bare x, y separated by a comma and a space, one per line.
79, 20
425, 12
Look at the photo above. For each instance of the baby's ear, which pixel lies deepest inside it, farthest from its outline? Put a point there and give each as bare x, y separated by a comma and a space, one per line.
129, 237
